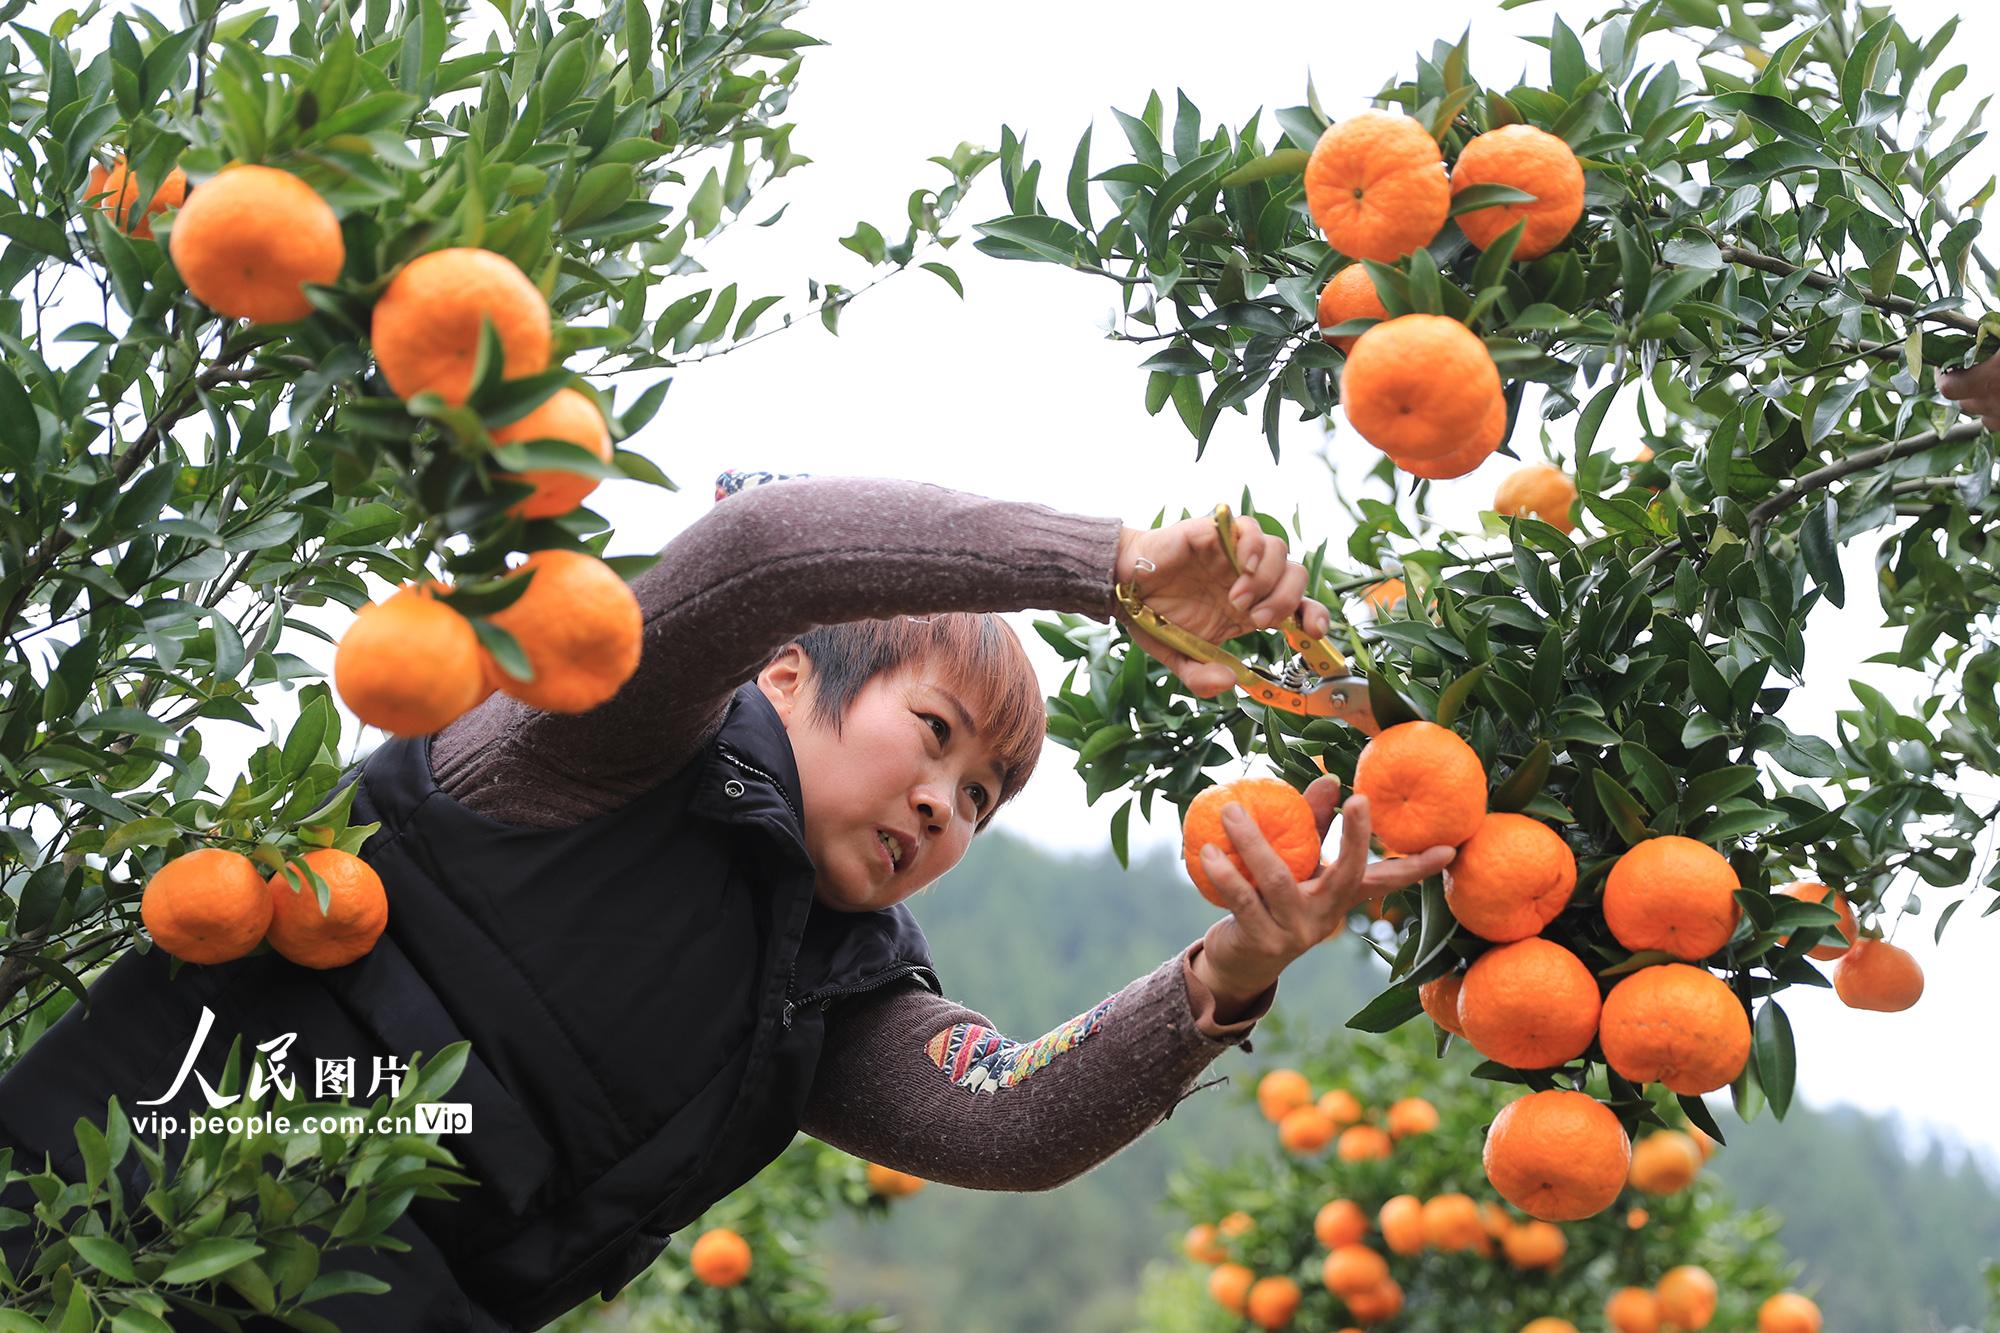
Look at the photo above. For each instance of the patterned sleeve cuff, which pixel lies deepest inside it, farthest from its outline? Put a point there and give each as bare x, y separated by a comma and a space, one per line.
1201, 1004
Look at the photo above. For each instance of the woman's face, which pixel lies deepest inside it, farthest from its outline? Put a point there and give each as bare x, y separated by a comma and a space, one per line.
907, 760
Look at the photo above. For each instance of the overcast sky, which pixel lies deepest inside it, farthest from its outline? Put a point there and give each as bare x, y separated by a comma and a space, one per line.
1015, 391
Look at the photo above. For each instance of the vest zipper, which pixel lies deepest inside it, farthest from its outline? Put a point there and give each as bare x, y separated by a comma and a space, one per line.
776, 785
830, 994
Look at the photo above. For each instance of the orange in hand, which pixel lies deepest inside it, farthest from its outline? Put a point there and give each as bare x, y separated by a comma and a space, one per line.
1425, 787
1281, 814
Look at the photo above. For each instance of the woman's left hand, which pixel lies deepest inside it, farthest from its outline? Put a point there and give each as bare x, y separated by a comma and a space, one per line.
1193, 586
1274, 919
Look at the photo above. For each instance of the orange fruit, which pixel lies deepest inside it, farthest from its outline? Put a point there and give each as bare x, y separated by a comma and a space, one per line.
1495, 1219
1419, 387
1665, 1162
1537, 491
1875, 974
1340, 1222
1341, 1106
1352, 1269
1425, 787
1236, 1224
207, 906
1203, 1245
357, 910
1349, 294
1272, 1302
1672, 893
1531, 1004
1687, 1297
1281, 815
1556, 1155
1531, 160
1635, 1219
1412, 1115
1548, 1324
1451, 1222
248, 240
891, 1183
1535, 1244
1281, 1092
580, 626
1363, 1143
409, 664
570, 416
1677, 1025
720, 1258
425, 328
1806, 890
1467, 456
1305, 1131
1633, 1310
1386, 596
121, 191
1377, 1303
1788, 1312
1229, 1286
1440, 1001
1376, 186
1510, 878
1402, 1221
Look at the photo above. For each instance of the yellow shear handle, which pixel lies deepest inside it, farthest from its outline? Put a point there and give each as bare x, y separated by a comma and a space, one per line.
1320, 656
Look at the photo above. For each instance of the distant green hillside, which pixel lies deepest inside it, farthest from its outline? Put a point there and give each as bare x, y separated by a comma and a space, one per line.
1030, 939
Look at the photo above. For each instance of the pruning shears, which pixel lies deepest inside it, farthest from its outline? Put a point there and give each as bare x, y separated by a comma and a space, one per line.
1315, 682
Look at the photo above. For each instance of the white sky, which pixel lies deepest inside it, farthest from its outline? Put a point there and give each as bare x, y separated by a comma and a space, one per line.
1016, 393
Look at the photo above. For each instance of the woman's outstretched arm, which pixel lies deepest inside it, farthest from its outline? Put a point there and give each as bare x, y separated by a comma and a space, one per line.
928, 1086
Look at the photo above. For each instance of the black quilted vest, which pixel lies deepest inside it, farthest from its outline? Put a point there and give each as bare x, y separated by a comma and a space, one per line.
644, 994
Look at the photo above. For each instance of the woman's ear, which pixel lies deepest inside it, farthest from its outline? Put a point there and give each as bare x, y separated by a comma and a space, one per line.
784, 680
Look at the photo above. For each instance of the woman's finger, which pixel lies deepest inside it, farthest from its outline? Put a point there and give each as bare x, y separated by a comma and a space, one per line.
1236, 892
1384, 876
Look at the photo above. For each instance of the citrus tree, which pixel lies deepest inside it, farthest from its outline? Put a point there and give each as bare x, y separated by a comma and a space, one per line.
300, 305
1743, 231
1383, 1217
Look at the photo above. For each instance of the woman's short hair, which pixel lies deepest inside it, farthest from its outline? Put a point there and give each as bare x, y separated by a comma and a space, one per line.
974, 655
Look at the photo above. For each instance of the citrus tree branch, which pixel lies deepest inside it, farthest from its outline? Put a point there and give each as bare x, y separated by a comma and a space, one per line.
1900, 305
1861, 462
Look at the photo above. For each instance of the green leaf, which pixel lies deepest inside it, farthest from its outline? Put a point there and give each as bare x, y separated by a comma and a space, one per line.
1524, 783
152, 831
1819, 535
1621, 808
1454, 695
1283, 162
107, 1256
705, 208
1474, 197
20, 431
1701, 1118
1389, 1010
207, 1258
1775, 113
945, 272
1777, 1062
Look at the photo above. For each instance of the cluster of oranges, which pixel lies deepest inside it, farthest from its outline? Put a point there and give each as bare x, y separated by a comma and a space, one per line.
1529, 1001
1307, 1124
1423, 388
247, 242
213, 905
1684, 1300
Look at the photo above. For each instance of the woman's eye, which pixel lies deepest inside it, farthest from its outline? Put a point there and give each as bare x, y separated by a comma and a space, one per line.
933, 717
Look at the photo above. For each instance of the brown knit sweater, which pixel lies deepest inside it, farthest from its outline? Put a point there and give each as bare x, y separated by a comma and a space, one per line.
907, 1079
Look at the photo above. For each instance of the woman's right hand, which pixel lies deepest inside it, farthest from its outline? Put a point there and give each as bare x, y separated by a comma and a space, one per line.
1191, 582
1976, 391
